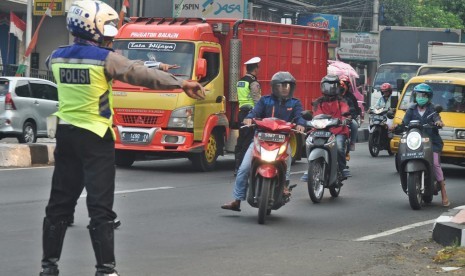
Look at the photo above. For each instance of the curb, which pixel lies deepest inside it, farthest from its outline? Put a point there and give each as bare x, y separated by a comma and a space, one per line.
449, 228
26, 155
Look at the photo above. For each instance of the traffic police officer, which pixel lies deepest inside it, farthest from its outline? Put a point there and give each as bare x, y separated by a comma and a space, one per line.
84, 153
248, 92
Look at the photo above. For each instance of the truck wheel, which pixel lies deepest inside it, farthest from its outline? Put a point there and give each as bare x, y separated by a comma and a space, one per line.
29, 134
124, 158
206, 160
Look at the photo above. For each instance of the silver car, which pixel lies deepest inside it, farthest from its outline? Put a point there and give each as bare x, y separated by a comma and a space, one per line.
25, 103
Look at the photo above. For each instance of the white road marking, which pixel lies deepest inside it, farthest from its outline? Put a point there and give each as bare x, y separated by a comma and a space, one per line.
28, 168
396, 230
136, 190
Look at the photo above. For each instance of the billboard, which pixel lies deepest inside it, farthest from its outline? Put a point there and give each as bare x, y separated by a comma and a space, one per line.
327, 21
210, 8
358, 46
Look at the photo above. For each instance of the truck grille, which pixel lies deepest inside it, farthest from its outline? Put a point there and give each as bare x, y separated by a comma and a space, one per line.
140, 120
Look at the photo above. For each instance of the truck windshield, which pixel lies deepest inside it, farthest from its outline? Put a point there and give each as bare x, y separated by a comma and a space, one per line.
173, 53
450, 96
390, 73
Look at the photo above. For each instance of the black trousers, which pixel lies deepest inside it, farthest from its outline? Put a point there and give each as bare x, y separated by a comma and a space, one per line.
82, 159
244, 139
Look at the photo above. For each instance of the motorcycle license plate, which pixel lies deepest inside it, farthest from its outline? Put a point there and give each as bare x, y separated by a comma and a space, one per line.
321, 133
412, 155
271, 137
134, 137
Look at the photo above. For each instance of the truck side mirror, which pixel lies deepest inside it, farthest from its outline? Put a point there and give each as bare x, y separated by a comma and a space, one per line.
394, 101
201, 68
400, 85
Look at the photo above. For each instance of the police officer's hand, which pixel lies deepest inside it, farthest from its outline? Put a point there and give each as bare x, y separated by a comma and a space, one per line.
247, 122
193, 89
300, 128
165, 67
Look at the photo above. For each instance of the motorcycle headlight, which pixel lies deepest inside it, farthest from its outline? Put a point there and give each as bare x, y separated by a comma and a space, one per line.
182, 118
320, 123
269, 155
413, 140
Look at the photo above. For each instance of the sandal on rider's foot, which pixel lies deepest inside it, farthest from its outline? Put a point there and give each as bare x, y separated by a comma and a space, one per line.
233, 206
446, 203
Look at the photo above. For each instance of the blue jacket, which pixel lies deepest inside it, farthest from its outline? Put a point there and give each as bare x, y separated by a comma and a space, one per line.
270, 106
433, 133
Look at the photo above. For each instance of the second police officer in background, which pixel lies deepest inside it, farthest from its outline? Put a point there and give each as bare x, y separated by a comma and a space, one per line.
248, 94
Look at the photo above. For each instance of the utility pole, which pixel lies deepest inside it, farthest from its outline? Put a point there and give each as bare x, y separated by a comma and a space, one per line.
374, 24
28, 37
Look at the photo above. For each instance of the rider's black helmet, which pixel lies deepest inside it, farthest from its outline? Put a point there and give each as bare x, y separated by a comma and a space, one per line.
330, 85
282, 78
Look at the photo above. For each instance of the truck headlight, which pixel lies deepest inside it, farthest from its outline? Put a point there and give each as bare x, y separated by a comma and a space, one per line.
413, 140
182, 118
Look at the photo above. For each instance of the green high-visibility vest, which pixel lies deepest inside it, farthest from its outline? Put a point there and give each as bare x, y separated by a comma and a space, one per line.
243, 91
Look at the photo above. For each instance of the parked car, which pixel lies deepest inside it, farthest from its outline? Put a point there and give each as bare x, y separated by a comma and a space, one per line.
25, 103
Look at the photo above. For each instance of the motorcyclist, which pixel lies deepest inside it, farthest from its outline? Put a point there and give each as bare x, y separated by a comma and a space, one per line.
385, 100
280, 104
355, 110
421, 110
331, 103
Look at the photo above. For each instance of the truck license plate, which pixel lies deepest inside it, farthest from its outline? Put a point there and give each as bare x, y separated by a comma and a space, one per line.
134, 137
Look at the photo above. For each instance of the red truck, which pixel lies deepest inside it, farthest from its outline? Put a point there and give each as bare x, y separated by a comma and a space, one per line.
150, 123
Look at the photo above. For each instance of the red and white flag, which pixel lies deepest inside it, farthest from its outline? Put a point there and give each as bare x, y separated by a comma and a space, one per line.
124, 10
17, 26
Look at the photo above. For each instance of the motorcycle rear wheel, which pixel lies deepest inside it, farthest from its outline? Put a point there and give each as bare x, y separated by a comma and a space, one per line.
316, 180
263, 199
372, 146
413, 189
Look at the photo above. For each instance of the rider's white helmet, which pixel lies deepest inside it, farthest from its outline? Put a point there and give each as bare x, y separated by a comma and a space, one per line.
92, 20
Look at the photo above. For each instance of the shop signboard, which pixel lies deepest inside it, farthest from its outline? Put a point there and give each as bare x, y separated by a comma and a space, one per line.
210, 8
358, 46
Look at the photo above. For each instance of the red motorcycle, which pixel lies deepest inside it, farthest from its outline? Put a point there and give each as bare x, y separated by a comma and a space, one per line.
268, 177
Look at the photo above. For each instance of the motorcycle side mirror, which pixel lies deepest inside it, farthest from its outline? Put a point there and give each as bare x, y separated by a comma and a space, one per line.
390, 114
400, 85
307, 115
438, 108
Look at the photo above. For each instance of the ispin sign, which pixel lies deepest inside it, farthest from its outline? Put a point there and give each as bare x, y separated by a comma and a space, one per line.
210, 8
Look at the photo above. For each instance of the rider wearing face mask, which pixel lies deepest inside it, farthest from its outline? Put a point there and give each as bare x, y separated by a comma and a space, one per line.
421, 110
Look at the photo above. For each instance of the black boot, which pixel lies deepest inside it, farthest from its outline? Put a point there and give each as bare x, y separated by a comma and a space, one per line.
103, 243
52, 242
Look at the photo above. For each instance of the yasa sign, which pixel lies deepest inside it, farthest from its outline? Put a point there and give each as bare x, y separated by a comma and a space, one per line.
210, 8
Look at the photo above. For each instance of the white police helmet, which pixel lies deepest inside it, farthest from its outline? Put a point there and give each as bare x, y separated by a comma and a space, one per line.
92, 20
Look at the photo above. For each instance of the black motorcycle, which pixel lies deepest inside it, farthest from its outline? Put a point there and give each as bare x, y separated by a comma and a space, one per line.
415, 163
379, 137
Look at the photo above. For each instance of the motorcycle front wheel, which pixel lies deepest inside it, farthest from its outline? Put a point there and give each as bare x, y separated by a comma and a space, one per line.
373, 147
263, 199
316, 178
414, 190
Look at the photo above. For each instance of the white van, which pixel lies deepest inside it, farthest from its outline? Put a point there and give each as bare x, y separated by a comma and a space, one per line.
25, 103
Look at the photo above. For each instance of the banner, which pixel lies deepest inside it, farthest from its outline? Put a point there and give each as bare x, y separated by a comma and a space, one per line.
17, 26
326, 21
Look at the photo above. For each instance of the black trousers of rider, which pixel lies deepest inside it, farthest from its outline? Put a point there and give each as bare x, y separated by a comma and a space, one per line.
82, 159
244, 139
